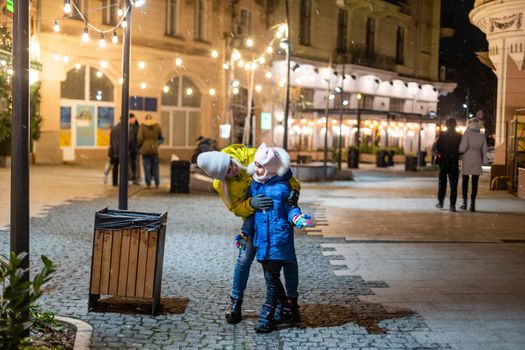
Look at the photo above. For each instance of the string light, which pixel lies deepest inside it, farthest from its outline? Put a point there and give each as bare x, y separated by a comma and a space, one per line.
77, 66
120, 11
102, 41
258, 88
269, 50
212, 92
143, 86
124, 23
142, 65
268, 75
85, 35
114, 39
178, 61
56, 26
235, 90
99, 74
240, 64
104, 64
236, 55
254, 66
250, 42
247, 66
67, 7
166, 89
262, 60
189, 91
226, 66
214, 53
121, 80
236, 83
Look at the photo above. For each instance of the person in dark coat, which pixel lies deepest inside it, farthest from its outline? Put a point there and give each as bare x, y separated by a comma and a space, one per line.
114, 151
447, 158
150, 138
133, 147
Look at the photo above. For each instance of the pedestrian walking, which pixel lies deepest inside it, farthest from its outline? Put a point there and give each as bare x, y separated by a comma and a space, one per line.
274, 232
133, 147
473, 148
149, 139
447, 157
114, 151
232, 183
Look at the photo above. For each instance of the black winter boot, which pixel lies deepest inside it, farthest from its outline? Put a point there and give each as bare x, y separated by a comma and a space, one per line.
234, 314
266, 322
473, 206
464, 205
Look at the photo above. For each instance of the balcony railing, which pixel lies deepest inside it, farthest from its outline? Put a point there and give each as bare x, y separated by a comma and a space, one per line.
358, 55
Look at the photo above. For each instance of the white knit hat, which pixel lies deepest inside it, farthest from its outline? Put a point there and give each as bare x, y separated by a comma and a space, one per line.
215, 164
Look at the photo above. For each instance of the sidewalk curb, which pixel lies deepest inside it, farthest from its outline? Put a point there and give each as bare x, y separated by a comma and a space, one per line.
83, 335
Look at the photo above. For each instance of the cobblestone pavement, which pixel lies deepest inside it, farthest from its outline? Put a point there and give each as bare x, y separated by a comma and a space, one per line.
198, 265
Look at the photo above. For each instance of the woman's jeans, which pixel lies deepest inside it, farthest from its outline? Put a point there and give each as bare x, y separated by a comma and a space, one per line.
244, 262
151, 169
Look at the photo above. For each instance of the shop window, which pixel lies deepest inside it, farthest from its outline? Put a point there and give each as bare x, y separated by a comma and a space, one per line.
100, 87
74, 86
342, 31
109, 12
305, 10
200, 12
400, 45
181, 113
370, 37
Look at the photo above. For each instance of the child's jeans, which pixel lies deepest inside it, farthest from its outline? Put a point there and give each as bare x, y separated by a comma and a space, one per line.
244, 262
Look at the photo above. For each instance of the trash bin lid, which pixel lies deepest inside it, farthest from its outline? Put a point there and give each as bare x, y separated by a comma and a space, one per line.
115, 219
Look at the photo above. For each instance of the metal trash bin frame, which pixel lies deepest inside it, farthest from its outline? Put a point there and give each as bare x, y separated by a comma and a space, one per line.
131, 265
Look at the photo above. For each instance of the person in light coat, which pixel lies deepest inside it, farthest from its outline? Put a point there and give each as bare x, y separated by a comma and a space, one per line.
473, 147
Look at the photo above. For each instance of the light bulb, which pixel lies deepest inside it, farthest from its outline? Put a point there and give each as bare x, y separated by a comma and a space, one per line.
120, 12
178, 61
143, 86
250, 42
99, 74
142, 65
166, 89
77, 66
269, 49
124, 23
189, 91
102, 41
121, 80
212, 92
104, 64
65, 59
235, 90
114, 39
226, 66
85, 35
268, 75
262, 60
56, 27
258, 88
67, 7
214, 53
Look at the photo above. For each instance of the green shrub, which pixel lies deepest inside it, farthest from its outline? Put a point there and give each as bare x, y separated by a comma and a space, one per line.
18, 296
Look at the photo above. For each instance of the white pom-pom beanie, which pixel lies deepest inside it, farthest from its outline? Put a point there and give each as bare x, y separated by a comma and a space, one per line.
215, 164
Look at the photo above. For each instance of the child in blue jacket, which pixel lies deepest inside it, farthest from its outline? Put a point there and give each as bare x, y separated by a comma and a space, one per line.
274, 229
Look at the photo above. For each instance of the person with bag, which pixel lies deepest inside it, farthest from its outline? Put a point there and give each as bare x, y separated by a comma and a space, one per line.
149, 139
473, 148
447, 157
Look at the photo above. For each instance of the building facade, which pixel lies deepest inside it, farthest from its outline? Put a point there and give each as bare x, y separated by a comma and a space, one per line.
217, 68
503, 23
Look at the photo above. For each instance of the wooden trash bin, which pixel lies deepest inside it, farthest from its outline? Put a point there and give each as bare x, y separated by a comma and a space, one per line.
128, 252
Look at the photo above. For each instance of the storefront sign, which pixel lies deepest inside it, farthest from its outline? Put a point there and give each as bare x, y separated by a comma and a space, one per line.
266, 121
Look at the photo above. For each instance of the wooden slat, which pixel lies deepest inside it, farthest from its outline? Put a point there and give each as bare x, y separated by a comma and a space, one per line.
115, 262
106, 262
141, 265
97, 262
124, 260
132, 267
150, 266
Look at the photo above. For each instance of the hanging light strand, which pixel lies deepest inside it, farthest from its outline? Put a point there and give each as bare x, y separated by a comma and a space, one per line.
83, 17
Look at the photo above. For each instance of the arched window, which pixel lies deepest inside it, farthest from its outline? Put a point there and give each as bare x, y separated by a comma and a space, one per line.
181, 112
87, 108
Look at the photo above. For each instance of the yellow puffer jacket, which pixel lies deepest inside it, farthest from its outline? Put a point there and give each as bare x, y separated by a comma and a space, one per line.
238, 186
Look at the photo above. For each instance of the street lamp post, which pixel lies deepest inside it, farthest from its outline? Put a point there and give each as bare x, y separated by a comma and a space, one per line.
124, 118
341, 94
288, 62
20, 140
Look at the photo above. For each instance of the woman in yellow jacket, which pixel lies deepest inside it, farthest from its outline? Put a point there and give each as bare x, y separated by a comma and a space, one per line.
232, 183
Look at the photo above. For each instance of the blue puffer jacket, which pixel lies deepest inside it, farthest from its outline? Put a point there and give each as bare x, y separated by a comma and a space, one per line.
274, 227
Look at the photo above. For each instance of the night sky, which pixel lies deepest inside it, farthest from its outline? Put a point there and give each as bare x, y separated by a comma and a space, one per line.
458, 54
